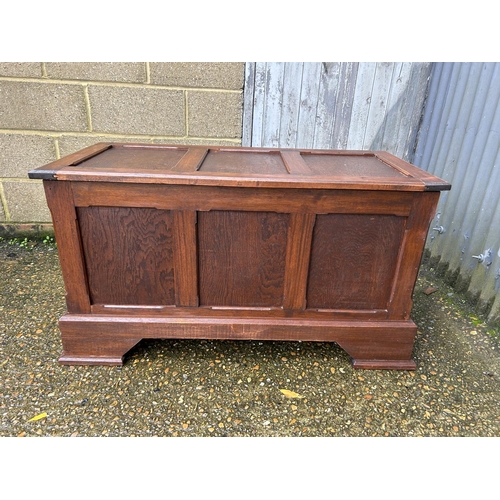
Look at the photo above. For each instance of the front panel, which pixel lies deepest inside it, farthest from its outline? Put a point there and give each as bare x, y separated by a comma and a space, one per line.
128, 255
244, 259
241, 258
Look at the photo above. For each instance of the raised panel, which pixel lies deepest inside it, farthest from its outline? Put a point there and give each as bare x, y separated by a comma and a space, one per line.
242, 258
353, 261
234, 161
131, 158
128, 255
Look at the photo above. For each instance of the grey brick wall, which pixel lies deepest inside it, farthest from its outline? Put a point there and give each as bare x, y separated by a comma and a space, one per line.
49, 110
28, 70
137, 110
198, 75
106, 72
210, 114
42, 106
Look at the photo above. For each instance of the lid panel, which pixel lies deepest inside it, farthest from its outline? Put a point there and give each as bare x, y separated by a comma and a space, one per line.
244, 162
133, 159
240, 167
350, 167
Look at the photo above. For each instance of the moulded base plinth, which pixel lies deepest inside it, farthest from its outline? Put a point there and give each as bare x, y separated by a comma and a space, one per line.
104, 339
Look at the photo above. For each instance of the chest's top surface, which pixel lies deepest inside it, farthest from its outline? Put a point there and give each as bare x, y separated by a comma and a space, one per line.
240, 167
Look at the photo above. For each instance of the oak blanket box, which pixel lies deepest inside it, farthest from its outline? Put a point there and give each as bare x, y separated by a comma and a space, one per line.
197, 242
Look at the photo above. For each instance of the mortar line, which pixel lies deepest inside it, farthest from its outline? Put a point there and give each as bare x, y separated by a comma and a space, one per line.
87, 107
20, 179
44, 70
59, 135
3, 200
117, 84
186, 114
56, 146
148, 74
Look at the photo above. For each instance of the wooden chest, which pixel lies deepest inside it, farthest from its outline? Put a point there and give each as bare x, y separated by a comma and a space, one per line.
201, 242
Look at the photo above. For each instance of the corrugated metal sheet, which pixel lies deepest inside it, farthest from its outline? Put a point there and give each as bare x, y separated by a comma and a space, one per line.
460, 142
334, 105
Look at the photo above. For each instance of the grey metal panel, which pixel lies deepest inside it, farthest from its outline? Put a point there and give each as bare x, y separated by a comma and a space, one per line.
334, 105
435, 101
460, 142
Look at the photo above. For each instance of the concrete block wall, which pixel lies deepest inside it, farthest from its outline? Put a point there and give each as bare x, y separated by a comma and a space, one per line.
49, 110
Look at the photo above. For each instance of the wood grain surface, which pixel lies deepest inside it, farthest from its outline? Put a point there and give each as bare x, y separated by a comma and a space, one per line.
242, 258
69, 245
353, 261
240, 167
128, 252
166, 241
297, 260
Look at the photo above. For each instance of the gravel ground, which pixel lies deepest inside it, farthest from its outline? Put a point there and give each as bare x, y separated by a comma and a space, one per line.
231, 388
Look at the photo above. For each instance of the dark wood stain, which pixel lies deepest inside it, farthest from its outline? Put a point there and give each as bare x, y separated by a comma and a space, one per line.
167, 241
245, 163
242, 258
124, 158
128, 252
353, 261
347, 166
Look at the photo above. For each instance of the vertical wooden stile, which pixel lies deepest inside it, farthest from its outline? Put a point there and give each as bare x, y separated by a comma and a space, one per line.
417, 226
60, 201
185, 248
185, 261
298, 253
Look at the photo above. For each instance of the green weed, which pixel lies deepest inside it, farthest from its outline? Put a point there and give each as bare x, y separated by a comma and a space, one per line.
49, 241
28, 243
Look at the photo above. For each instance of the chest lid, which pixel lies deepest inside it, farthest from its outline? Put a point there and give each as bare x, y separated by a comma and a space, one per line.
240, 167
